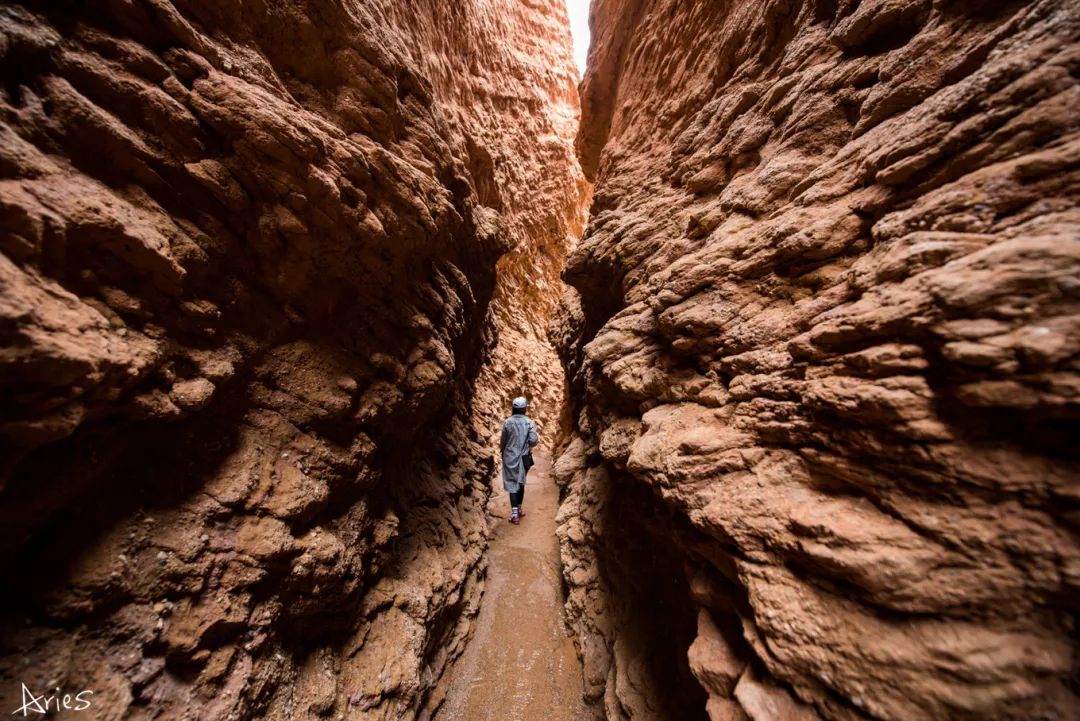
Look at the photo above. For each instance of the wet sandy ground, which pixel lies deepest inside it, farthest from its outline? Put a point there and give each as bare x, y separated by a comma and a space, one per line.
520, 665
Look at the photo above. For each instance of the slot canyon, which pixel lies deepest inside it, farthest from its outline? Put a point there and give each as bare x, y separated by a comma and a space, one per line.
792, 288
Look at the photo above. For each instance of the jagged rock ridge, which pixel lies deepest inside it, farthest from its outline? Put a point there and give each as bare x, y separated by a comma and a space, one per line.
823, 356
248, 285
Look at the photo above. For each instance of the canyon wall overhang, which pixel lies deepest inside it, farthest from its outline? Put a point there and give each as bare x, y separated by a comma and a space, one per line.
248, 283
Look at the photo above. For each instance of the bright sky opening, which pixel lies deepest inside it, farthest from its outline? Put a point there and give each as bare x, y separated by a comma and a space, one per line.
579, 28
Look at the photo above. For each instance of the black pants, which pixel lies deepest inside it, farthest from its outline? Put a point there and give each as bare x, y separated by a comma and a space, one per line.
517, 498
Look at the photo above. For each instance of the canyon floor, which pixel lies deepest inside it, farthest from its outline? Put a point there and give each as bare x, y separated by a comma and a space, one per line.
520, 664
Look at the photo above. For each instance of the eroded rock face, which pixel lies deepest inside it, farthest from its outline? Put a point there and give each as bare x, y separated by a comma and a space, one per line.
823, 348
249, 283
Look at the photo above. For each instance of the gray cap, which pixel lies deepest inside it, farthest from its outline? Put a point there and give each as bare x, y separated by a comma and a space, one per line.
520, 402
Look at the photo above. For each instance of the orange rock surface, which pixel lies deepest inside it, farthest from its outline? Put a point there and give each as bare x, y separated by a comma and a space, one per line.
251, 290
823, 342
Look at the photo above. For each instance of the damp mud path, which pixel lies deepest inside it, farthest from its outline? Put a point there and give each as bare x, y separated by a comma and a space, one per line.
520, 664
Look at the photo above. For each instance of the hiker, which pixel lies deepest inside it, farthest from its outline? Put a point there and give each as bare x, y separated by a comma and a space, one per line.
518, 438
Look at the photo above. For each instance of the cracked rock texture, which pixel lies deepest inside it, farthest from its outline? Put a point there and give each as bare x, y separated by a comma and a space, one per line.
823, 354
256, 258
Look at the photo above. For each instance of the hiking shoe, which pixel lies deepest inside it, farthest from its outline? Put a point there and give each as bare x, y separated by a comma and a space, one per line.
515, 516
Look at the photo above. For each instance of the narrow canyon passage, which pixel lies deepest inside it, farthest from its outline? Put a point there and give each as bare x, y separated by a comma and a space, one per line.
520, 664
792, 288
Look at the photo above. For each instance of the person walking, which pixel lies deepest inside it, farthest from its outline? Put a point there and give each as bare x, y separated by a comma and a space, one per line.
518, 438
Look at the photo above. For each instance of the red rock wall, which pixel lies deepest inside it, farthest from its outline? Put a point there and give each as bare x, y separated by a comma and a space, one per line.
823, 346
249, 286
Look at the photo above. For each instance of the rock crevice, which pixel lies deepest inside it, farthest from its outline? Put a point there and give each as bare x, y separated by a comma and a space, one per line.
270, 272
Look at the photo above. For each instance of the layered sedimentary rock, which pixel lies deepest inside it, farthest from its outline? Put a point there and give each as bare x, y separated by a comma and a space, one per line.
249, 282
823, 348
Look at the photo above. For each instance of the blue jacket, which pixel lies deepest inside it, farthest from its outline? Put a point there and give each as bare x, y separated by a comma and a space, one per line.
518, 438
